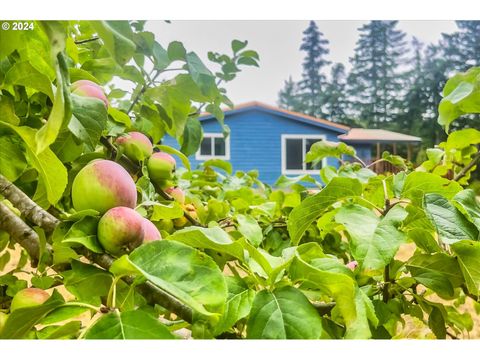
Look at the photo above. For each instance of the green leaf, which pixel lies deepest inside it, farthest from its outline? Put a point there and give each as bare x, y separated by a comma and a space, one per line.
249, 228
192, 136
7, 111
186, 273
468, 253
200, 74
23, 73
238, 45
66, 331
438, 272
374, 241
135, 324
220, 164
417, 184
176, 51
277, 314
468, 203
63, 313
22, 320
171, 211
12, 157
84, 232
52, 173
341, 287
61, 110
462, 138
451, 224
80, 278
119, 116
116, 37
312, 207
89, 119
160, 57
461, 96
286, 182
214, 238
323, 148
238, 305
170, 150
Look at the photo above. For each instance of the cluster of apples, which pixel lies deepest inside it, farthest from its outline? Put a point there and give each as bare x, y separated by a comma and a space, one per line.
105, 186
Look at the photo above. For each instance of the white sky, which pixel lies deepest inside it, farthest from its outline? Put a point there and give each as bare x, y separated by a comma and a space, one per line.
277, 43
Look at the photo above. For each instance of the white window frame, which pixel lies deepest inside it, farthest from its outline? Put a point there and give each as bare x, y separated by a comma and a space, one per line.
198, 156
304, 137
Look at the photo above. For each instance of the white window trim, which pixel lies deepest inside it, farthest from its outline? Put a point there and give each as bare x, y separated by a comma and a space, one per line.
284, 153
209, 157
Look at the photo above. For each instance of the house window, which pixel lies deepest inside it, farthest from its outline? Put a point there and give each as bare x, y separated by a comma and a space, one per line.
294, 150
214, 146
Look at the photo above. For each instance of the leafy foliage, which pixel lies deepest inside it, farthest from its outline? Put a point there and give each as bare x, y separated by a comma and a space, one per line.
239, 258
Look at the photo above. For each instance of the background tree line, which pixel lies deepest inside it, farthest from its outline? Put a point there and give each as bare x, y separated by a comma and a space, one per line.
393, 83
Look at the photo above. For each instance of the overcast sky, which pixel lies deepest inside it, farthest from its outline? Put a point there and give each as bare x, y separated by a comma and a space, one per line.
277, 43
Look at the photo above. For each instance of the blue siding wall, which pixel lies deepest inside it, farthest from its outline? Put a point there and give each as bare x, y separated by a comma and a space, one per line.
255, 141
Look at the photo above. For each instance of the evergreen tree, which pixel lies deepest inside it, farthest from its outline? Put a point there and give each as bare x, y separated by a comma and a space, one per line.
375, 84
313, 80
462, 48
288, 97
335, 99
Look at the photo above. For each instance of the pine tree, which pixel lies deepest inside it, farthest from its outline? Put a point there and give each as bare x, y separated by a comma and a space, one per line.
288, 97
375, 84
462, 48
313, 80
335, 99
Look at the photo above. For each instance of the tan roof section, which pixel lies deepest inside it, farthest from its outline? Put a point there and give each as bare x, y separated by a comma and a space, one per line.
373, 135
287, 112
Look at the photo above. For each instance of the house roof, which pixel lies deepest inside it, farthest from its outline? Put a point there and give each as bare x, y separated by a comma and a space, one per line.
287, 113
377, 135
347, 133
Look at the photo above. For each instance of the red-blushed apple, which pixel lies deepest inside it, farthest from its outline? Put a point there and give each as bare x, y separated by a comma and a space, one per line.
88, 88
28, 297
102, 185
135, 145
150, 231
161, 167
176, 193
120, 230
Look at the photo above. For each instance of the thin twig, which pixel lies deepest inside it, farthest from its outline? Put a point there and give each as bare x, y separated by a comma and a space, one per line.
79, 42
467, 168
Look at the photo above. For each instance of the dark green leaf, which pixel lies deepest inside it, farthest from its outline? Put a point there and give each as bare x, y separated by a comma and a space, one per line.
283, 314
176, 51
451, 224
89, 119
12, 157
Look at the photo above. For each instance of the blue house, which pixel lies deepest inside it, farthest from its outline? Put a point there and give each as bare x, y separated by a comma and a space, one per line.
275, 141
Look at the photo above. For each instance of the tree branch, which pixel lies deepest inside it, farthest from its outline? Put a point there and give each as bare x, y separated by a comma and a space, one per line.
467, 168
29, 240
27, 206
20, 232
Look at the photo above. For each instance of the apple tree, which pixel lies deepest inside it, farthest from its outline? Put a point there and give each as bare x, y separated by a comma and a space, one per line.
104, 235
